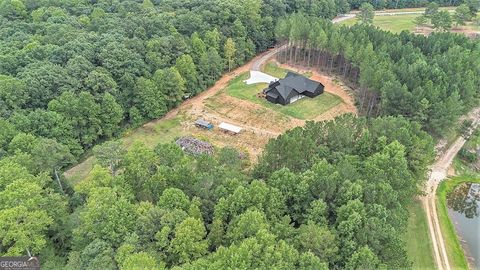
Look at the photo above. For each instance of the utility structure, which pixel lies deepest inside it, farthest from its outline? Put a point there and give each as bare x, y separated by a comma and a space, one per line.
203, 124
229, 128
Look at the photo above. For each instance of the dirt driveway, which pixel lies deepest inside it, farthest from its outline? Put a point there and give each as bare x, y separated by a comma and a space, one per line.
259, 123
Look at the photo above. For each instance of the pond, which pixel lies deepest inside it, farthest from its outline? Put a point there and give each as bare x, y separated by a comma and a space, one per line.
464, 210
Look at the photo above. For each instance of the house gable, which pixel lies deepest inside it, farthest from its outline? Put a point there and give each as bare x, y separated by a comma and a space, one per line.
293, 85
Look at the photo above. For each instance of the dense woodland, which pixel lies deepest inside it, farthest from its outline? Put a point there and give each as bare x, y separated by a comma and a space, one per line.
328, 195
431, 80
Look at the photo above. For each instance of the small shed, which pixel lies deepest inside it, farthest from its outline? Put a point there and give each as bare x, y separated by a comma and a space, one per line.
230, 128
203, 124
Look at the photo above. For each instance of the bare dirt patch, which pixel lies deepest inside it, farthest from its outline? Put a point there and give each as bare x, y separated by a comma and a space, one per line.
259, 123
466, 30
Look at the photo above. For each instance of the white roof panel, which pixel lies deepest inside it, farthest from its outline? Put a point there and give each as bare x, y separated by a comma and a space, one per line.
230, 127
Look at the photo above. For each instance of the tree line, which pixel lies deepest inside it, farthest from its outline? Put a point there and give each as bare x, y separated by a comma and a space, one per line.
328, 195
78, 72
430, 80
396, 4
441, 19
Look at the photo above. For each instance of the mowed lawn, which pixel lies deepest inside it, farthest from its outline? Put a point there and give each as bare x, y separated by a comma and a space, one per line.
417, 238
393, 23
273, 69
305, 109
398, 23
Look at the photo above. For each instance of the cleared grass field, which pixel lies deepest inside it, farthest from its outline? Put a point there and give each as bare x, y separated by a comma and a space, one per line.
273, 69
393, 23
417, 238
452, 244
305, 109
398, 23
154, 133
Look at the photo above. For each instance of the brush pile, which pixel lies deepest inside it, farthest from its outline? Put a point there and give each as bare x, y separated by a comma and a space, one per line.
195, 146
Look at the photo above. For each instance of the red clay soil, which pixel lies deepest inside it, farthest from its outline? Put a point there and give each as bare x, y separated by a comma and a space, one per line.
216, 106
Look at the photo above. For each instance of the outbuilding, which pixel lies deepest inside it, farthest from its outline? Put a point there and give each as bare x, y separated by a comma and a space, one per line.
229, 128
292, 88
203, 124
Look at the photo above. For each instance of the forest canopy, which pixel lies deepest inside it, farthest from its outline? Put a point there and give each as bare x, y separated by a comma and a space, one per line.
328, 195
74, 73
430, 80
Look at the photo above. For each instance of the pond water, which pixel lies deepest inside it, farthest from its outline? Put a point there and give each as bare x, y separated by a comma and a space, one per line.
464, 210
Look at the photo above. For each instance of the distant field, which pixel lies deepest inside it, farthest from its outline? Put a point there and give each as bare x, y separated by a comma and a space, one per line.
306, 108
417, 238
398, 23
394, 23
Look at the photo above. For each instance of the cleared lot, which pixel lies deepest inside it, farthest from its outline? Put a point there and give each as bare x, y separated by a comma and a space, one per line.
231, 100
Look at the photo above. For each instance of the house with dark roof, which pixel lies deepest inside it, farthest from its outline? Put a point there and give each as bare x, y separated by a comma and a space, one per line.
292, 88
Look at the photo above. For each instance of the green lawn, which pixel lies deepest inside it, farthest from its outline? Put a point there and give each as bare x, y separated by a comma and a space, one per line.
273, 69
306, 108
417, 238
454, 249
398, 23
394, 23
163, 131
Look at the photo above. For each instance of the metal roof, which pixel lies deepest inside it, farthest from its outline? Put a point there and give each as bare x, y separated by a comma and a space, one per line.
230, 127
293, 82
202, 122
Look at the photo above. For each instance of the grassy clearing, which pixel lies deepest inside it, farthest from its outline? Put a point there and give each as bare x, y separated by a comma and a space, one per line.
237, 88
152, 134
80, 171
417, 238
393, 23
454, 249
271, 68
306, 108
398, 23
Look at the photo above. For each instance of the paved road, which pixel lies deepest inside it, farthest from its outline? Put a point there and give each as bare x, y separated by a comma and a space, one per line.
437, 174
